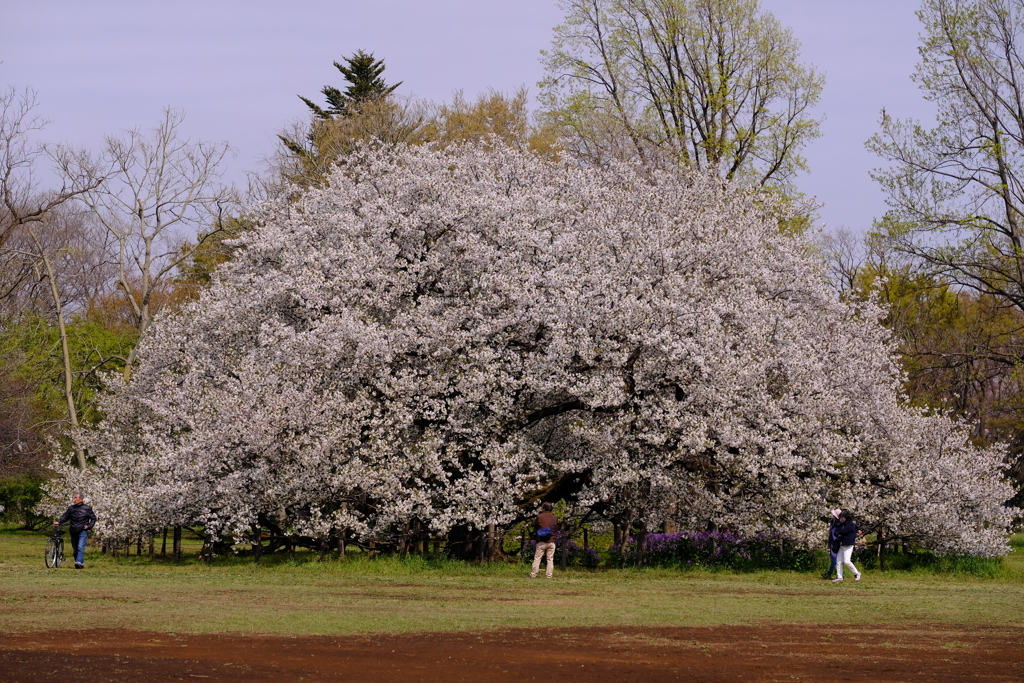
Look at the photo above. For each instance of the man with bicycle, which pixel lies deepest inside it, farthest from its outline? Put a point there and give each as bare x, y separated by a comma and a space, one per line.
82, 519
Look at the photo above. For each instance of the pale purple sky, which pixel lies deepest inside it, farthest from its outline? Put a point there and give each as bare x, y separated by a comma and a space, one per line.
236, 67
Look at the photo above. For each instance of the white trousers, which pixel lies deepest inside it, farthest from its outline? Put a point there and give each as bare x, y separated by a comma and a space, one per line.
543, 549
845, 553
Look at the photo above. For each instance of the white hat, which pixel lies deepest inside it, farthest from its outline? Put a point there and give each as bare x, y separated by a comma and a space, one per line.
836, 513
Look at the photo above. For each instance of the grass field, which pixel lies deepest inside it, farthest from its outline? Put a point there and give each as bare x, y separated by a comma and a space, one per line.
393, 596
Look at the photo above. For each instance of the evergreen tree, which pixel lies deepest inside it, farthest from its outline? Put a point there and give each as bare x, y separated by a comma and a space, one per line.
363, 74
364, 110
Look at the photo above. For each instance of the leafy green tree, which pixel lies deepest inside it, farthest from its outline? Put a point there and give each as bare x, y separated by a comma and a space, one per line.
32, 344
960, 350
212, 249
956, 197
493, 114
715, 85
19, 496
956, 190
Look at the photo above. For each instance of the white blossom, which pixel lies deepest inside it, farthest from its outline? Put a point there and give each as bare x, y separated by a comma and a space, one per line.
438, 335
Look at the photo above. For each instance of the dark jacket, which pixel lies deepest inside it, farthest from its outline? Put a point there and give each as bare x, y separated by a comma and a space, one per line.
80, 516
833, 539
847, 533
546, 520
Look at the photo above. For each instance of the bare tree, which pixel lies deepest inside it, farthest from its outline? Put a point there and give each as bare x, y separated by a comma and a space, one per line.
24, 208
844, 254
78, 250
22, 201
159, 192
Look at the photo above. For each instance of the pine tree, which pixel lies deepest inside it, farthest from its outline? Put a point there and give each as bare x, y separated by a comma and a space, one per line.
366, 87
363, 73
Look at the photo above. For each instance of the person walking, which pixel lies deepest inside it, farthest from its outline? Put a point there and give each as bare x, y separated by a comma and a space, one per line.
847, 534
833, 543
82, 519
545, 528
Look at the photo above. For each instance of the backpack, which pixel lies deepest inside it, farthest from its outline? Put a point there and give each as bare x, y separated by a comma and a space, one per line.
543, 534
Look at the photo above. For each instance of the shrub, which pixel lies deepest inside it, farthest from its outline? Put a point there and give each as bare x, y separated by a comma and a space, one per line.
719, 549
19, 496
921, 560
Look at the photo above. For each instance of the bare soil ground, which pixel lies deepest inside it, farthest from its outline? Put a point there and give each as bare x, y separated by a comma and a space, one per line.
767, 652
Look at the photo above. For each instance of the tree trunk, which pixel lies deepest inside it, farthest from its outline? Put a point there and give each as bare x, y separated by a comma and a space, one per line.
138, 546
641, 544
257, 543
625, 538
586, 538
341, 544
163, 546
462, 543
177, 544
206, 552
490, 543
881, 549
69, 395
671, 526
152, 545
481, 544
321, 548
403, 540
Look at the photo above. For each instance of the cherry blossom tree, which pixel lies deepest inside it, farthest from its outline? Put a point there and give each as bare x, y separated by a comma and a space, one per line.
436, 339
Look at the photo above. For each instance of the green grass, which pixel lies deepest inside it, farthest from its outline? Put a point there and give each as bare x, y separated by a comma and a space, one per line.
305, 596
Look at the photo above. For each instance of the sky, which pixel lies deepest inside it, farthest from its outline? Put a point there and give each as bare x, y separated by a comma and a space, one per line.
236, 67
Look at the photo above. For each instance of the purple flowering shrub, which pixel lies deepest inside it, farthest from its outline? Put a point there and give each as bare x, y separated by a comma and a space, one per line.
719, 549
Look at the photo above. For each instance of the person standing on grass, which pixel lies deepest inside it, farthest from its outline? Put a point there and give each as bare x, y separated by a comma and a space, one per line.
833, 543
847, 534
546, 526
82, 519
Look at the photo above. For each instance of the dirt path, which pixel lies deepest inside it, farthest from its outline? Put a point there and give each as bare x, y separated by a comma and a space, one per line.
768, 652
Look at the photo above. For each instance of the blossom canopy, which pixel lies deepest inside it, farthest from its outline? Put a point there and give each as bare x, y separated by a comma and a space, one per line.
440, 337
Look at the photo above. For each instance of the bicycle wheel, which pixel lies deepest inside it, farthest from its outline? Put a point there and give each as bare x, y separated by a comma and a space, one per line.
51, 553
60, 553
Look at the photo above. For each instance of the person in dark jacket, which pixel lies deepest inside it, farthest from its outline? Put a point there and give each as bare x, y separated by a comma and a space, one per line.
833, 543
847, 534
82, 519
545, 528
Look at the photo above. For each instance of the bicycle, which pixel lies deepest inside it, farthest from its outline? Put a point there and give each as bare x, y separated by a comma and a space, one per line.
55, 549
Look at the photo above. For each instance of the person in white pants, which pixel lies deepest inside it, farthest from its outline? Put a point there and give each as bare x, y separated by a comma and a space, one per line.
847, 534
546, 530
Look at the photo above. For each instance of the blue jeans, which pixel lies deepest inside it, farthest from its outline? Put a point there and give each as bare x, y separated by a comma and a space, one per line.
833, 557
78, 544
